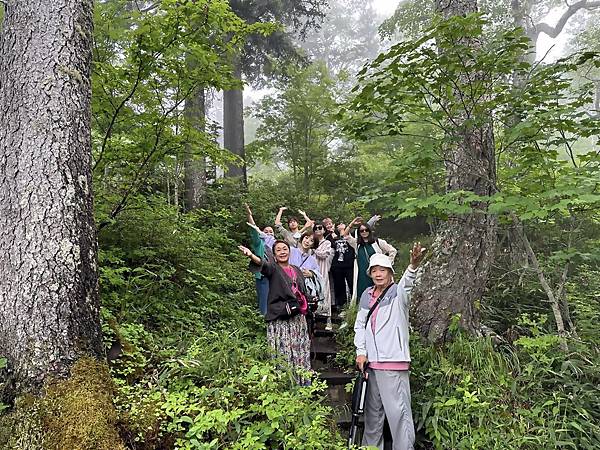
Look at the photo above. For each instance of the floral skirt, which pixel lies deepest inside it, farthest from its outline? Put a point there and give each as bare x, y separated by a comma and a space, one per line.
289, 338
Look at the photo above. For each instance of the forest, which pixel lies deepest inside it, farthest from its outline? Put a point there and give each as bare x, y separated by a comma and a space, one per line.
143, 144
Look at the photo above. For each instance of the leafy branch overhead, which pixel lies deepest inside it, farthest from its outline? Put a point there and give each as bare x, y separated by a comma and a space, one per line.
142, 78
546, 143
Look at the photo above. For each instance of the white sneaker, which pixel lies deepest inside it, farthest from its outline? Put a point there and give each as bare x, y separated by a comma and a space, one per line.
329, 326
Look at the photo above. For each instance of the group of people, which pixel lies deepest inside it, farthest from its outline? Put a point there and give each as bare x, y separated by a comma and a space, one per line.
321, 266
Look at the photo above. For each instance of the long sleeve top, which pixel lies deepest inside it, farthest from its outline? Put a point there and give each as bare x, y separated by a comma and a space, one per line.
280, 287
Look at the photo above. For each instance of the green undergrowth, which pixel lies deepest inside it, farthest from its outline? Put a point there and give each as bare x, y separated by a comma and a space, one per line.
470, 394
473, 394
186, 345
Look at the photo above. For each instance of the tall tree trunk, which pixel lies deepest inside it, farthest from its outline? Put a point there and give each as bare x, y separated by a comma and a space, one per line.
194, 164
233, 125
455, 278
49, 308
521, 11
176, 183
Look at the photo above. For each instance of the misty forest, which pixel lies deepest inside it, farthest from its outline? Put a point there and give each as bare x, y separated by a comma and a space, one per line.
204, 205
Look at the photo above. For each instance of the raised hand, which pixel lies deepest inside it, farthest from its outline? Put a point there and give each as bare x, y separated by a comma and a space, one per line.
245, 251
249, 213
416, 255
252, 225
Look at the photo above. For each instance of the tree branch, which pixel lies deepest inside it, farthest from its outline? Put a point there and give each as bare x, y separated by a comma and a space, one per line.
554, 31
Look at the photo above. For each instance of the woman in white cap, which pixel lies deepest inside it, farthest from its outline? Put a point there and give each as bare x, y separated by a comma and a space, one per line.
382, 348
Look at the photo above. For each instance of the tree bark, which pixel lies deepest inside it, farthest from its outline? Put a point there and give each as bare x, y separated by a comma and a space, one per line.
49, 307
233, 126
194, 165
455, 277
176, 172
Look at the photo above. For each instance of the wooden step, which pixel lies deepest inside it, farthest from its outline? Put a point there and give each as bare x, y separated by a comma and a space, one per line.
337, 397
343, 418
323, 332
336, 377
323, 350
324, 339
323, 319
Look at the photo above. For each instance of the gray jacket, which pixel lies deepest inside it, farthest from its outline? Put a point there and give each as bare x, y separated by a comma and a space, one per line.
390, 341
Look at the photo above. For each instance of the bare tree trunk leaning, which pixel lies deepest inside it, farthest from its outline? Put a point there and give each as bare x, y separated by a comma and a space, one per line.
194, 164
49, 308
233, 126
455, 277
535, 265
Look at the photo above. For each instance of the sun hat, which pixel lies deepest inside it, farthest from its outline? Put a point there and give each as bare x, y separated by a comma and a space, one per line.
379, 259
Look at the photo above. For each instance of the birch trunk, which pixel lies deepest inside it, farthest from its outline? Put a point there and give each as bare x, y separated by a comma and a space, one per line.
49, 308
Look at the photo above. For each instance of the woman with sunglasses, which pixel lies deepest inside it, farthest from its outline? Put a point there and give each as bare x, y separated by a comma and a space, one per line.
366, 244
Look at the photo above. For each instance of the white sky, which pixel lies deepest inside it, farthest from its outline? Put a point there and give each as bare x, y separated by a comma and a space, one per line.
554, 47
385, 7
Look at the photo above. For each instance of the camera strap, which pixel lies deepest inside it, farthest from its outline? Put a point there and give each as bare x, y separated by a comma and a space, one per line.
376, 304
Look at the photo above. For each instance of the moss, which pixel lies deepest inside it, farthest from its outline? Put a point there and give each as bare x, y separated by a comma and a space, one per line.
78, 413
72, 73
74, 414
22, 428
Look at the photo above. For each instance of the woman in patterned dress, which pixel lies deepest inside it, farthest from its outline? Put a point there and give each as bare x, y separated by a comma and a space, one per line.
286, 333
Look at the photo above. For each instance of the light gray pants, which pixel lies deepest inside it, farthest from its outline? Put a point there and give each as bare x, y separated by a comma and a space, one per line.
388, 395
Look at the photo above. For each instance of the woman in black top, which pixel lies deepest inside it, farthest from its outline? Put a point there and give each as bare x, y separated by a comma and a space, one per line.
287, 330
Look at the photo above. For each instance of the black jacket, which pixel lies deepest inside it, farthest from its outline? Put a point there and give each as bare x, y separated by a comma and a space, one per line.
280, 287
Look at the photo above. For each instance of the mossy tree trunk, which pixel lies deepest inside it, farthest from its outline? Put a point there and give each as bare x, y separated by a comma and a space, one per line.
455, 278
49, 306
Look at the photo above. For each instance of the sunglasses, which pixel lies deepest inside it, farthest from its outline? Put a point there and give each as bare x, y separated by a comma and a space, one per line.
318, 227
364, 230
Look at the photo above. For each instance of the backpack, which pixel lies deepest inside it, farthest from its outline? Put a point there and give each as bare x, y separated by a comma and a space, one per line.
314, 287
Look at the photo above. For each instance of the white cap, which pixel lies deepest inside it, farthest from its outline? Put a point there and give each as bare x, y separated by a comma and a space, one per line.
379, 259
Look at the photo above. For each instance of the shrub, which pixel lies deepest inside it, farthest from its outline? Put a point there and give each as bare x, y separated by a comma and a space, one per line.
187, 345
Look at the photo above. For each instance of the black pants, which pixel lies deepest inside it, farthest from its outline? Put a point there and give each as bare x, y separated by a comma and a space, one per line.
341, 276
